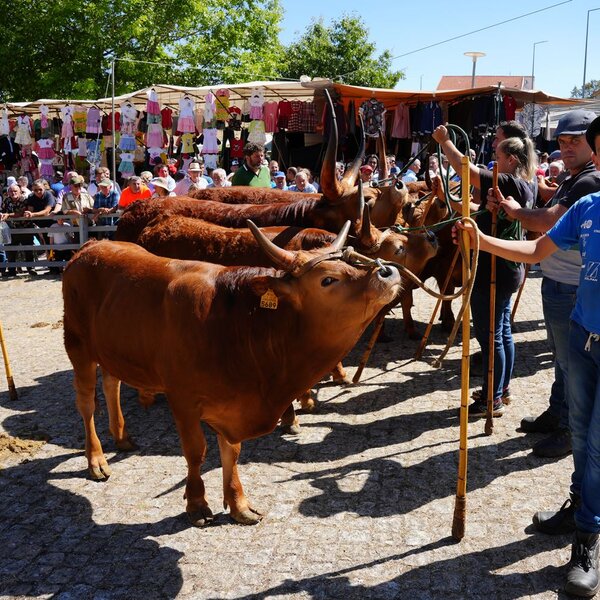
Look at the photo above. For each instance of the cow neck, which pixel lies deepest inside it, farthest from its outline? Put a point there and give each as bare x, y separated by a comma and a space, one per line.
300, 212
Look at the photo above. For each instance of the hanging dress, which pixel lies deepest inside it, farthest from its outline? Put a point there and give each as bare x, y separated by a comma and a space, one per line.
23, 137
4, 125
94, 121
186, 124
67, 119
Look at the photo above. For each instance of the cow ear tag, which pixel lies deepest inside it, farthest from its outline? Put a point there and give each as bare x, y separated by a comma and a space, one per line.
269, 300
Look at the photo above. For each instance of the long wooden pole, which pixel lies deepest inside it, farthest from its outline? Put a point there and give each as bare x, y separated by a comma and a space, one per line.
519, 294
367, 353
489, 421
460, 504
12, 390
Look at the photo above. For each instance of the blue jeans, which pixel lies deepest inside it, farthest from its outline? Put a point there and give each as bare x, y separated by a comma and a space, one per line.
504, 346
558, 300
584, 419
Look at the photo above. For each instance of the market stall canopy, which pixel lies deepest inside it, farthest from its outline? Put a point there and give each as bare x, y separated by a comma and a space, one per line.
391, 98
169, 95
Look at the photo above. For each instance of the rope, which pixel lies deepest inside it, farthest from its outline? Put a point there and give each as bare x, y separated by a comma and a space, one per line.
435, 226
350, 256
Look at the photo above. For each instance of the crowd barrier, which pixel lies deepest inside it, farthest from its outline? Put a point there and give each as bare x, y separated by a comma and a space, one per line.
81, 230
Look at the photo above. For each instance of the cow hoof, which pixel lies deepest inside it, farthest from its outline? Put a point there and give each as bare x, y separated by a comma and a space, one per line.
201, 517
293, 429
309, 405
343, 381
247, 517
126, 445
100, 472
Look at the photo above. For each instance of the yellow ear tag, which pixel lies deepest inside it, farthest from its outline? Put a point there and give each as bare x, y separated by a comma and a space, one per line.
269, 300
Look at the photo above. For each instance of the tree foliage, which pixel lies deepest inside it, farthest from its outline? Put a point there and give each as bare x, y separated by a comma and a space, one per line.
341, 51
63, 48
592, 88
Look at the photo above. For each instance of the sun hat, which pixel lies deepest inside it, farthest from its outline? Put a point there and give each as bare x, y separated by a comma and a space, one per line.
160, 182
195, 166
105, 182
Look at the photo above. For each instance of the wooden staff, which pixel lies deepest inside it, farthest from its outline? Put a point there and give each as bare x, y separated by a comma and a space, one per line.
367, 353
12, 390
519, 293
425, 337
460, 504
489, 420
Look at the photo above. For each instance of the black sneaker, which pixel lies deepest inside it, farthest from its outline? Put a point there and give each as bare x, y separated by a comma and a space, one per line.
582, 578
479, 409
557, 444
544, 423
557, 522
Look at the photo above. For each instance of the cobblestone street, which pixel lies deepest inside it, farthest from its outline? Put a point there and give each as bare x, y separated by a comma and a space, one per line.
359, 506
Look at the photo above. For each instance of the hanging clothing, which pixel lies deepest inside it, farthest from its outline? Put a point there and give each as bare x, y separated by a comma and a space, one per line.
210, 145
236, 148
256, 132
284, 112
79, 119
4, 126
373, 117
126, 164
256, 100
152, 107
510, 108
401, 126
198, 119
270, 116
166, 115
128, 119
67, 118
210, 109
94, 121
154, 137
222, 101
45, 149
186, 124
24, 131
187, 143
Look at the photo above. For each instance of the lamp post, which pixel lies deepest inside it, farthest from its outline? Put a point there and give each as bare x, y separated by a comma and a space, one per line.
474, 56
587, 29
533, 63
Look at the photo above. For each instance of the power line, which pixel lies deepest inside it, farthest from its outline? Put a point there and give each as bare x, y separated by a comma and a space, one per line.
462, 35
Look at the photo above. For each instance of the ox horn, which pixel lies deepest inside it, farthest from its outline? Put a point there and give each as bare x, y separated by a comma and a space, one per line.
367, 239
282, 258
330, 185
340, 240
352, 172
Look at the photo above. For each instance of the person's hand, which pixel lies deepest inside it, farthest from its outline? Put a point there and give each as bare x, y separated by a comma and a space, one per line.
27, 213
440, 134
461, 226
3, 216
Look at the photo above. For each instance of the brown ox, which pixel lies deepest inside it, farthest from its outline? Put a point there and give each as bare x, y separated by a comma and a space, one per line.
198, 333
188, 238
429, 213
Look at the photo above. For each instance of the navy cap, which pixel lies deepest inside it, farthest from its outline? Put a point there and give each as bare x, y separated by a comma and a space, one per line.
554, 155
575, 122
592, 132
278, 174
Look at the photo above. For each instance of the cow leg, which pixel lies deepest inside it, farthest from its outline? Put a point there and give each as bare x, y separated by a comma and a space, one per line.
289, 421
193, 444
339, 374
233, 493
116, 422
84, 382
307, 402
406, 301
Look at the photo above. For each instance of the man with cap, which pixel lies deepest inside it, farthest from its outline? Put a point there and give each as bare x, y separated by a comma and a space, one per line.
560, 276
253, 173
279, 180
106, 201
192, 181
366, 173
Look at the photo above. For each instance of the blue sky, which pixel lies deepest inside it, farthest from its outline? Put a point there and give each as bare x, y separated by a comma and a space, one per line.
403, 27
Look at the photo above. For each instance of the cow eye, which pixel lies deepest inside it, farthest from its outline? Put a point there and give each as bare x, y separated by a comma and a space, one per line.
328, 281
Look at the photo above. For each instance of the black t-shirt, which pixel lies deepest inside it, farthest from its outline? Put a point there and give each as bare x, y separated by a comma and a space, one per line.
587, 181
37, 204
508, 274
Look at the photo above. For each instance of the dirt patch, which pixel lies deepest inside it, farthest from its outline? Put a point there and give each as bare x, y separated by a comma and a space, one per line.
12, 446
40, 324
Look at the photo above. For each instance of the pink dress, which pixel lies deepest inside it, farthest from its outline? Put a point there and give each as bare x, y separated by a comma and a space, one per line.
94, 121
186, 124
67, 126
270, 114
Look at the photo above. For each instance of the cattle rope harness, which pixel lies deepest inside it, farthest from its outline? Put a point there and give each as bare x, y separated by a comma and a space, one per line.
360, 260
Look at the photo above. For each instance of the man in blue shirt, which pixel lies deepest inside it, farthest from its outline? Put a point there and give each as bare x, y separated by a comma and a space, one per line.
579, 225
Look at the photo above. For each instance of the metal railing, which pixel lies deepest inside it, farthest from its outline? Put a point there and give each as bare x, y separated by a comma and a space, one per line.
82, 228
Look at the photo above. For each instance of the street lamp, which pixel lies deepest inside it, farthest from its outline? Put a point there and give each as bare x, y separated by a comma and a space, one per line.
533, 63
475, 56
587, 28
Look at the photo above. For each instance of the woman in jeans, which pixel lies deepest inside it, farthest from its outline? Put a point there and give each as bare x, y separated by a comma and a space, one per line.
516, 163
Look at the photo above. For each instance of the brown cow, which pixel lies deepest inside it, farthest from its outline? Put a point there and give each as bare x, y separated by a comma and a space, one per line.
230, 346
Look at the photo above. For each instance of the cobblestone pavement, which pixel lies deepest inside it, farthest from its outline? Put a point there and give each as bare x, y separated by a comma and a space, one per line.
359, 505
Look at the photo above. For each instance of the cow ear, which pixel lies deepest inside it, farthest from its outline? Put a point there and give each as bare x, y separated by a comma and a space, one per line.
281, 287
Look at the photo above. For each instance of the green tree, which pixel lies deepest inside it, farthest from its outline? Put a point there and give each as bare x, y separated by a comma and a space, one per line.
592, 88
63, 48
341, 52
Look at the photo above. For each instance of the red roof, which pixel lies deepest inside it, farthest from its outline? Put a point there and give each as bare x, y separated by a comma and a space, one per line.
463, 82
